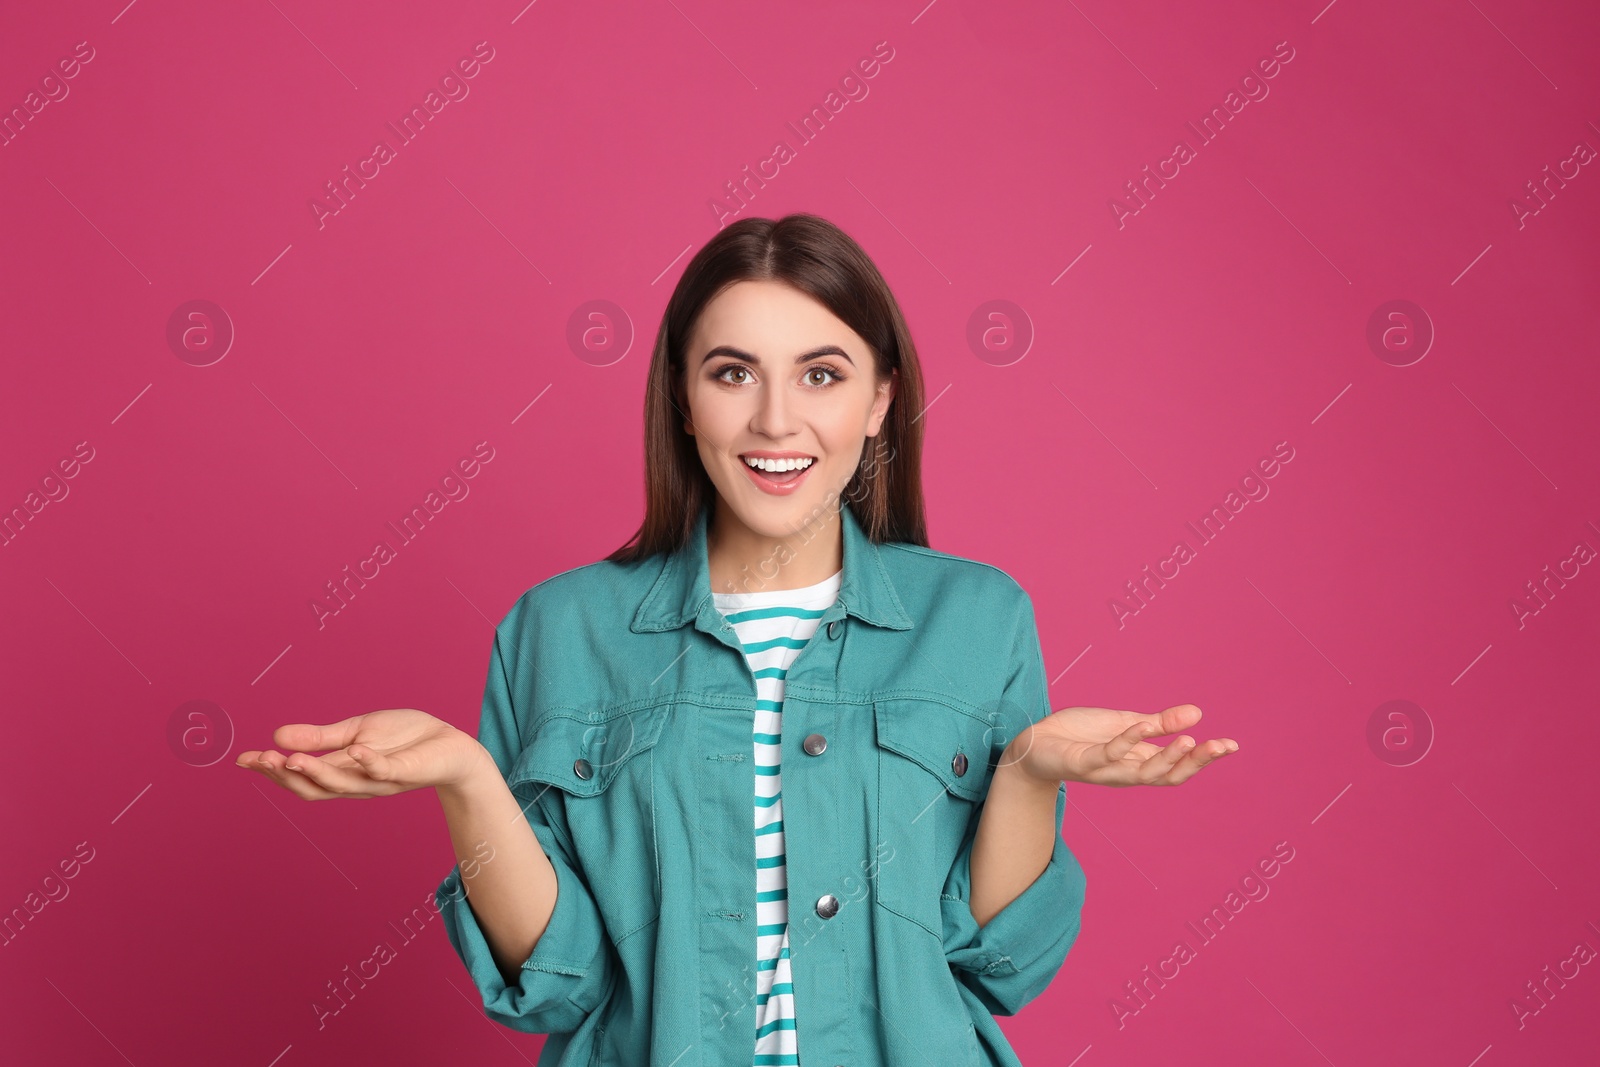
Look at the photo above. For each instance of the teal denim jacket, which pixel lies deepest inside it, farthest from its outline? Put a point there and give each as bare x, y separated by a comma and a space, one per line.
619, 709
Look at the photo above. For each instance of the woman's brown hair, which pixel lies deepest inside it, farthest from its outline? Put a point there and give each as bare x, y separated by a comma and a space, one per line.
821, 260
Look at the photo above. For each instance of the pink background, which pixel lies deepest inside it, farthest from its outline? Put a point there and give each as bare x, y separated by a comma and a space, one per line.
1229, 314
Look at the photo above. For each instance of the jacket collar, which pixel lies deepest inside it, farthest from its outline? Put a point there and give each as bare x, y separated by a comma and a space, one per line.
683, 589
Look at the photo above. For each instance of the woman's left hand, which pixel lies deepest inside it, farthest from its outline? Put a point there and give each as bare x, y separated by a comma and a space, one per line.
1106, 747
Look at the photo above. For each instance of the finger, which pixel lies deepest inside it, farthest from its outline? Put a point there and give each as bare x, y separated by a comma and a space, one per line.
332, 779
310, 737
339, 759
1172, 720
1132, 740
377, 766
1156, 769
272, 764
1199, 757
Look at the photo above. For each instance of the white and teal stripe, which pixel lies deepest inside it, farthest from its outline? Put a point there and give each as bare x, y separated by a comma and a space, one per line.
773, 626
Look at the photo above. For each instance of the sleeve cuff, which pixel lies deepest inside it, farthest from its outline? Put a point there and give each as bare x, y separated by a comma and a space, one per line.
1012, 958
560, 983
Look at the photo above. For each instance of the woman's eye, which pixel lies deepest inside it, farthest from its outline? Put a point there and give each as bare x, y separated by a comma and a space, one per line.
826, 375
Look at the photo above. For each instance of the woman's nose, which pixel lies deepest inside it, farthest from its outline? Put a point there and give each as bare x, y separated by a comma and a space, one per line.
773, 412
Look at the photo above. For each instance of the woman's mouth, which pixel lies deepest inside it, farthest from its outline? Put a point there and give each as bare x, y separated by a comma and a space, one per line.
779, 476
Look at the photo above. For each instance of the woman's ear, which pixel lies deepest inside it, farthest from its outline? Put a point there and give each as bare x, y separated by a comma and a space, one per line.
680, 401
880, 405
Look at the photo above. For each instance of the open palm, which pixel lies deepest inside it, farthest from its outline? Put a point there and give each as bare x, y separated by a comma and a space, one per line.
1108, 747
377, 754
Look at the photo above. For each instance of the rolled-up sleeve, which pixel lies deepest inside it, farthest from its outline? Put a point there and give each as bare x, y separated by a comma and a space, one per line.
1013, 957
572, 968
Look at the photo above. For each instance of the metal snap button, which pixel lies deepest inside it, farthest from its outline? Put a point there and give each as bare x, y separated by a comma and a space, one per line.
814, 744
833, 629
827, 905
581, 768
959, 764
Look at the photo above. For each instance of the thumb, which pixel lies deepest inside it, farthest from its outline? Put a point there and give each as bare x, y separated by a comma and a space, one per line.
310, 737
1176, 718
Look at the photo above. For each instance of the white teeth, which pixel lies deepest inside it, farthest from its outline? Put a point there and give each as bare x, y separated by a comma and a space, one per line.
778, 465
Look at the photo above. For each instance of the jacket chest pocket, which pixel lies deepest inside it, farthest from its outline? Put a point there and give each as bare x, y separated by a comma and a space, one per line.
934, 767
591, 779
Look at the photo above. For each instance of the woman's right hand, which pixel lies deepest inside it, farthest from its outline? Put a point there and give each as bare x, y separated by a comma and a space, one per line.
375, 755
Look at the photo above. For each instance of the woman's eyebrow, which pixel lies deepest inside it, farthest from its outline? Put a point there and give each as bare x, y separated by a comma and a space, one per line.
815, 353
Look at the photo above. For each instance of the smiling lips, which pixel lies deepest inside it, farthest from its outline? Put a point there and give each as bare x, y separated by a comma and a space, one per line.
777, 473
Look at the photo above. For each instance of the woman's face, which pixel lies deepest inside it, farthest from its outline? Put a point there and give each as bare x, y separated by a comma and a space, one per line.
772, 375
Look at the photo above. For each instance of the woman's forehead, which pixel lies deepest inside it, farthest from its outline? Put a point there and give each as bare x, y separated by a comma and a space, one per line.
771, 320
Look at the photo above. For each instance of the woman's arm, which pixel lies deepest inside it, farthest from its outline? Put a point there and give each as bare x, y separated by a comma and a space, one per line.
1017, 834
530, 933
501, 862
512, 892
517, 906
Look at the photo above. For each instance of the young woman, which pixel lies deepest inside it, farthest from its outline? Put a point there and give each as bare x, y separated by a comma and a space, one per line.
775, 783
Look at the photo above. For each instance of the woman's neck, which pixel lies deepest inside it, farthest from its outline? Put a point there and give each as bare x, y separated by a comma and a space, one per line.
741, 560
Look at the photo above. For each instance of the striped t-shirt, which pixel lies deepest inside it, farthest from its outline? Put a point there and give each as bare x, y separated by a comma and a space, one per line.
773, 626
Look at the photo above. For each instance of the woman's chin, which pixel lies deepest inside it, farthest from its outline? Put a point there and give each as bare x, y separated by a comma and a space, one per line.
779, 518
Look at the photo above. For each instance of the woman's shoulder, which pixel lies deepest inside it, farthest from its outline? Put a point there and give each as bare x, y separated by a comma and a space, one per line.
562, 643
917, 571
588, 588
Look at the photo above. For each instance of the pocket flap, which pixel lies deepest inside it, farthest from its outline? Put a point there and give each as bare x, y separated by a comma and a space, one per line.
583, 755
953, 745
